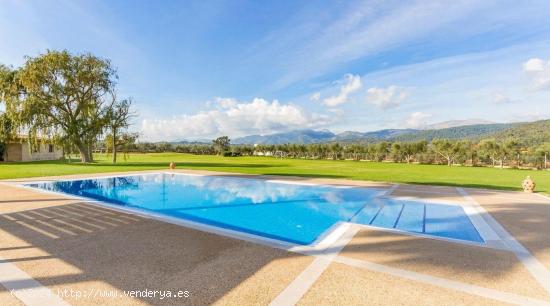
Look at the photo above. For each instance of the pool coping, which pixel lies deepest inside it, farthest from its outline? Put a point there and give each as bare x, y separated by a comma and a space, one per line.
484, 230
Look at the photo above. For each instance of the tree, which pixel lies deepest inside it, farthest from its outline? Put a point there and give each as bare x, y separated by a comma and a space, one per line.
7, 124
447, 149
509, 148
63, 96
126, 142
472, 152
6, 133
543, 151
119, 116
221, 144
396, 151
410, 149
355, 150
381, 150
335, 149
491, 149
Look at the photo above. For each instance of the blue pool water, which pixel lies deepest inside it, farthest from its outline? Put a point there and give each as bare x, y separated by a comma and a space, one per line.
288, 212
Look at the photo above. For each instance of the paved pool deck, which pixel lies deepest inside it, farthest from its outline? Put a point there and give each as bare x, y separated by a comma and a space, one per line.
60, 250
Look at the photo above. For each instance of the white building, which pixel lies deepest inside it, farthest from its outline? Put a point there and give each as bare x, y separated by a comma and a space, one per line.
19, 151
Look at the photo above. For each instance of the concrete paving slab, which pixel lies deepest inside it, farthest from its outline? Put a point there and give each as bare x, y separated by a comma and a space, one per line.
525, 216
429, 193
344, 285
480, 266
9, 300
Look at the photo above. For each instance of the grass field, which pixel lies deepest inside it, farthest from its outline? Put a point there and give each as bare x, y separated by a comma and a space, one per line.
493, 178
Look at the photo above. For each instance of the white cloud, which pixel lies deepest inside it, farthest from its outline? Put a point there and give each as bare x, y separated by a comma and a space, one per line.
226, 102
417, 120
351, 83
234, 119
388, 97
538, 72
534, 65
315, 96
499, 98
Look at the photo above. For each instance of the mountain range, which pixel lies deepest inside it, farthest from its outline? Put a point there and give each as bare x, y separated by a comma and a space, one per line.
451, 130
474, 129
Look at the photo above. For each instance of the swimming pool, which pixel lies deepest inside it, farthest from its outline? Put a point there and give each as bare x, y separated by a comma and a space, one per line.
290, 212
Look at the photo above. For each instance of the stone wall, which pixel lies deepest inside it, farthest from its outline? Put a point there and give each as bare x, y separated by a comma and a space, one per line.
13, 152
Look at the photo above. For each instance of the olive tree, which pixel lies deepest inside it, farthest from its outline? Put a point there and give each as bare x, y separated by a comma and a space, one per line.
449, 150
543, 151
396, 151
410, 149
491, 149
510, 148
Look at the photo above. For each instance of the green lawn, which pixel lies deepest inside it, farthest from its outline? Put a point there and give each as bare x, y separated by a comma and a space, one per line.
388, 172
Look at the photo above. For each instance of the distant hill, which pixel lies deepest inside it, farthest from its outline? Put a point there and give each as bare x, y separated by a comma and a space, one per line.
475, 131
298, 136
350, 136
529, 133
192, 142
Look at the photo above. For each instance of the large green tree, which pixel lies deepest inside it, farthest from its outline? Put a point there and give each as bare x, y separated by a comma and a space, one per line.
64, 96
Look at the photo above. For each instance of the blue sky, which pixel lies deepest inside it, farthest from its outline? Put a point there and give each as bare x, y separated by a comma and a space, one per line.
199, 69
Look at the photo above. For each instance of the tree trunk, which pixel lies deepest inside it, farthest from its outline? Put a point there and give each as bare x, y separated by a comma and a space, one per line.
90, 152
84, 152
114, 147
5, 153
